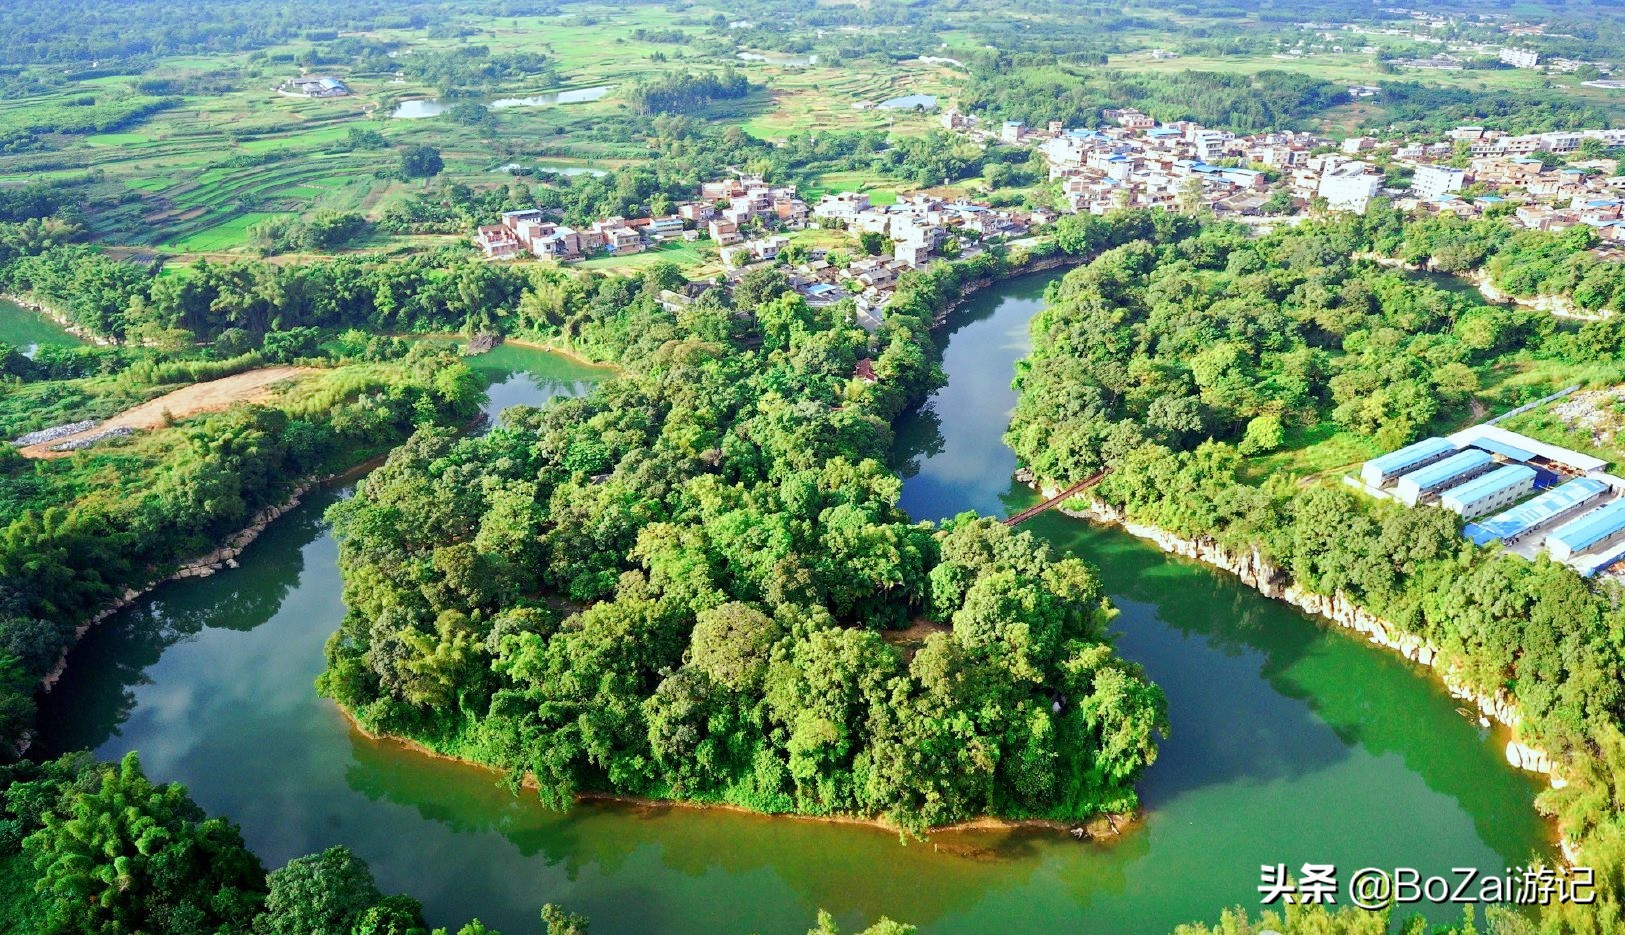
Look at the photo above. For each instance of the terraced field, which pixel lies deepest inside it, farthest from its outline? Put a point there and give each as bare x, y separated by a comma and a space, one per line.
193, 178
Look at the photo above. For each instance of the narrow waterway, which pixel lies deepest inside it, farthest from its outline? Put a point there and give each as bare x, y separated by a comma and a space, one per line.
26, 329
1291, 743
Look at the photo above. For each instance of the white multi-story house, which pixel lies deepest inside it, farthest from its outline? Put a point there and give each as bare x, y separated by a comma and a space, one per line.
1432, 182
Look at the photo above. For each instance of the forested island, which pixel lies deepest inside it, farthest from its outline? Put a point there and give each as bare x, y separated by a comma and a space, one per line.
682, 586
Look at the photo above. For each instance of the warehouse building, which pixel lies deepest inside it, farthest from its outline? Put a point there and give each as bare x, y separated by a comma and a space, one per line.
1563, 502
1499, 488
1379, 472
1456, 469
1537, 454
1596, 530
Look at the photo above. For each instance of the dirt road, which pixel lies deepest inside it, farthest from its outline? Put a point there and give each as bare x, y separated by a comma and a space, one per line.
212, 396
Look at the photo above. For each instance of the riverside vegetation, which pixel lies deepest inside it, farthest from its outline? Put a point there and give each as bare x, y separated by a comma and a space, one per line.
1219, 375
689, 583
74, 539
741, 418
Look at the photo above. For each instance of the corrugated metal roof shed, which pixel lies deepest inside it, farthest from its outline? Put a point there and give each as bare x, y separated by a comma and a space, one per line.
1502, 447
1435, 474
1526, 516
1457, 498
1579, 462
1410, 454
1580, 534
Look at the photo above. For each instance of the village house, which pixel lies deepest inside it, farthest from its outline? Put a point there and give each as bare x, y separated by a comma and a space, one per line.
498, 242
696, 212
315, 86
724, 231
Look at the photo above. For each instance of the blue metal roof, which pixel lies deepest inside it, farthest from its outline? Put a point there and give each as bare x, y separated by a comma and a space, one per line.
1490, 484
1524, 517
1591, 528
1504, 449
1436, 474
1410, 454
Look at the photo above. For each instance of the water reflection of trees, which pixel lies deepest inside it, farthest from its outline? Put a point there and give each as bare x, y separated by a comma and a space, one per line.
1342, 694
918, 439
97, 691
852, 870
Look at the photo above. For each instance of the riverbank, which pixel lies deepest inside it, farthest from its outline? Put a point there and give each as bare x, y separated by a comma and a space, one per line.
562, 350
1271, 581
1023, 267
1100, 827
202, 566
56, 317
1559, 305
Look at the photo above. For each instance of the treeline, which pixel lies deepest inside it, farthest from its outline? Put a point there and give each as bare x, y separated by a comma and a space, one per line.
1521, 262
444, 291
1176, 363
325, 230
1417, 108
684, 93
85, 114
1003, 90
1221, 335
690, 583
469, 69
77, 32
74, 533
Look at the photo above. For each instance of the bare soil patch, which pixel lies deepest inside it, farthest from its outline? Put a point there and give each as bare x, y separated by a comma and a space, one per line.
212, 396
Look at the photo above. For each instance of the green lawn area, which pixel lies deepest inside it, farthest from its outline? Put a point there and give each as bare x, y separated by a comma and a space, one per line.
686, 255
882, 190
1311, 452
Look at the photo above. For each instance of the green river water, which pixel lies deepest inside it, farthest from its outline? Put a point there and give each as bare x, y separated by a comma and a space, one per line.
22, 328
1291, 742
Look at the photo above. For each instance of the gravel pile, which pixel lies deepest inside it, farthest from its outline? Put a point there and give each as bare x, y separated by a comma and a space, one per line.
54, 432
89, 440
1593, 412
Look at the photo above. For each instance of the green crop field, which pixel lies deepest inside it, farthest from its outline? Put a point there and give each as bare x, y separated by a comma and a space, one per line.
694, 259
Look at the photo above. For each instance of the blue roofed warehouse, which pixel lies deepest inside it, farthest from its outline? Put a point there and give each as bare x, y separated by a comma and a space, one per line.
1559, 503
1458, 468
1598, 529
1501, 487
1379, 471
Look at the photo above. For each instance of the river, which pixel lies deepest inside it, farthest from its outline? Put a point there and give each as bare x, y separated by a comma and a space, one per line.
27, 329
1292, 742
